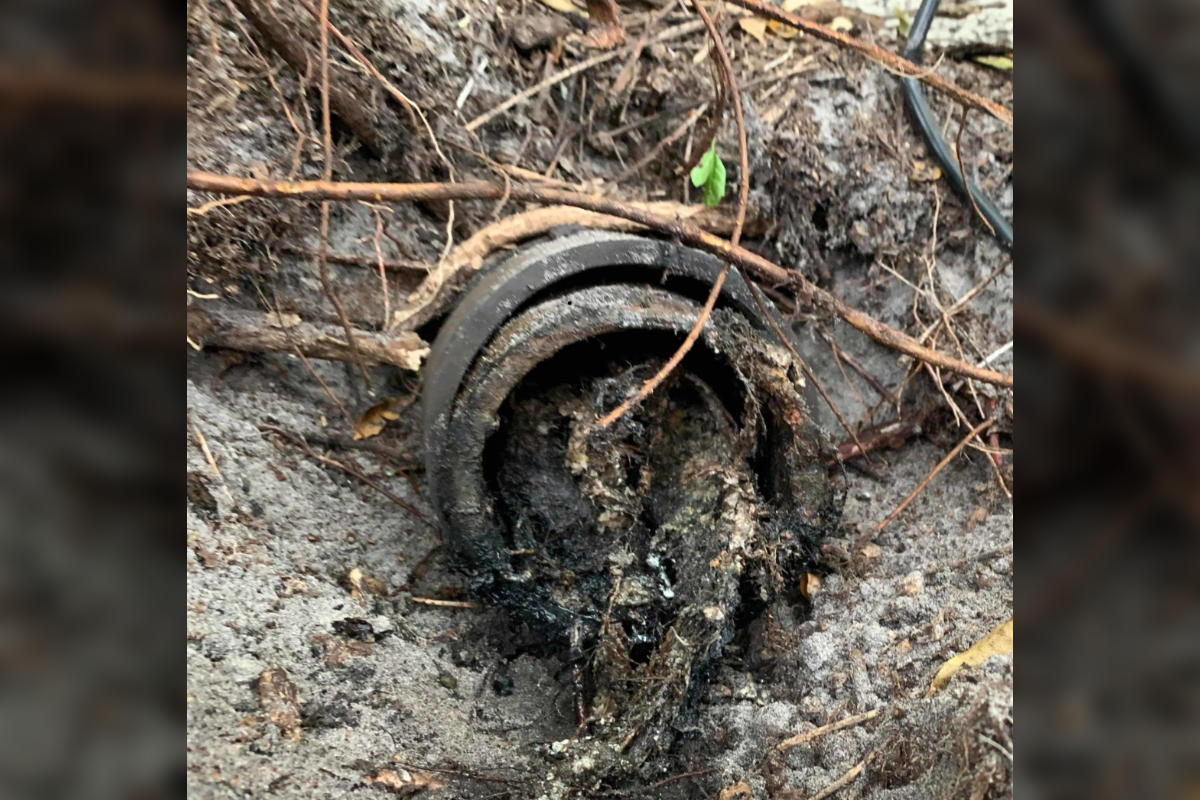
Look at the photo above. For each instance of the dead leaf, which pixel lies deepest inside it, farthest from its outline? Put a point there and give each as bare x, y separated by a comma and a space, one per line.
756, 27
997, 643
277, 696
841, 24
740, 789
565, 7
377, 416
403, 782
810, 584
872, 551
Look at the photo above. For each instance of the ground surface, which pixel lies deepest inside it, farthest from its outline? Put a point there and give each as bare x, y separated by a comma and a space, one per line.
282, 551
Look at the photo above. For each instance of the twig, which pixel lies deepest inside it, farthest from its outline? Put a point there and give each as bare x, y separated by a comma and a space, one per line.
546, 83
327, 173
383, 282
415, 112
299, 441
889, 434
879, 56
844, 781
558, 77
329, 392
664, 143
429, 601
681, 229
932, 474
212, 463
360, 261
808, 736
866, 374
287, 111
204, 208
725, 70
256, 332
350, 108
962, 126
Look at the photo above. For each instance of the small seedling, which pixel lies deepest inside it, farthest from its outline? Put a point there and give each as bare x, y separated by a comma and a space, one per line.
710, 173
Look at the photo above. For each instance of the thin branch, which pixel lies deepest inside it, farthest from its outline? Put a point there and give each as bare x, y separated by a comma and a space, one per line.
958, 448
299, 441
415, 112
559, 77
680, 229
725, 70
808, 736
847, 778
962, 126
327, 172
880, 56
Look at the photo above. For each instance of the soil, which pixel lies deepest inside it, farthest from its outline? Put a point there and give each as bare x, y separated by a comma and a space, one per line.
317, 665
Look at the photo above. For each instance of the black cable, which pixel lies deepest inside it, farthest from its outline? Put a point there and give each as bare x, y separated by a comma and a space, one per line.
922, 114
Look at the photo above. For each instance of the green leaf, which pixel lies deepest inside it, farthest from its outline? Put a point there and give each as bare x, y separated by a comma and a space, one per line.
710, 173
996, 62
704, 170
714, 189
904, 23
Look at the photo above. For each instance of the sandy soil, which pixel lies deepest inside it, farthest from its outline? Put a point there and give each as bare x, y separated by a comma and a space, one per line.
441, 692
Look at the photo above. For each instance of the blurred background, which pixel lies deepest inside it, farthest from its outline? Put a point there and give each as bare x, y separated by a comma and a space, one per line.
92, 689
1109, 356
91, 203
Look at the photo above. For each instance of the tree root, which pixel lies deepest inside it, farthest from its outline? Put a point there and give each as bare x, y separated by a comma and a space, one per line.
682, 230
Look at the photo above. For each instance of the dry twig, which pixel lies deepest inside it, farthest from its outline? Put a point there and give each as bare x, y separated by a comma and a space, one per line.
558, 77
880, 56
349, 108
327, 172
808, 736
958, 448
725, 70
299, 441
847, 778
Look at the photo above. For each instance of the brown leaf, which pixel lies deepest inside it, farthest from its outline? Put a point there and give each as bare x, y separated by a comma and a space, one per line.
756, 27
810, 584
377, 416
277, 696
